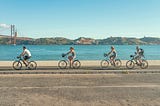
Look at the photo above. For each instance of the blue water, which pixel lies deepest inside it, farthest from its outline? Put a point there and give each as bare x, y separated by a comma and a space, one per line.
84, 52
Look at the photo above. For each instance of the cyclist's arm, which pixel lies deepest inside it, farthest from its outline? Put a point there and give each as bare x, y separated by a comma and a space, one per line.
68, 52
74, 54
109, 52
22, 54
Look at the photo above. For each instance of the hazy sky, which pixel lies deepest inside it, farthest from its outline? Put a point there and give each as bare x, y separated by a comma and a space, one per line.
87, 18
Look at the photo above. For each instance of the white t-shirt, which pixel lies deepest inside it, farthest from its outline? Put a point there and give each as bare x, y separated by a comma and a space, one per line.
27, 52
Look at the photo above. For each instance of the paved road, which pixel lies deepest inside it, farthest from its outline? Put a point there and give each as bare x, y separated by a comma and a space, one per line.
82, 70
80, 90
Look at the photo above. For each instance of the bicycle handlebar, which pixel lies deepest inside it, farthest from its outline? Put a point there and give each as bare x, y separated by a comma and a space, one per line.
105, 55
132, 55
63, 55
19, 57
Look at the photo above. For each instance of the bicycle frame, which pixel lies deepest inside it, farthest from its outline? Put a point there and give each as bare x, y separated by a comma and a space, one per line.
134, 59
67, 60
20, 59
108, 59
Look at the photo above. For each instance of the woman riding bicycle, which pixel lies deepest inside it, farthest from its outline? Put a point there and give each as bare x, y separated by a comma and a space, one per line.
113, 55
71, 55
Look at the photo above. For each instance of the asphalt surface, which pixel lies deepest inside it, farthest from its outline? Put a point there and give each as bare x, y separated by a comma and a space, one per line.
81, 70
87, 86
80, 89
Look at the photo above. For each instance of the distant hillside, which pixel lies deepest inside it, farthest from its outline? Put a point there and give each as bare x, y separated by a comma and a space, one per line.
53, 41
121, 41
151, 40
85, 41
5, 40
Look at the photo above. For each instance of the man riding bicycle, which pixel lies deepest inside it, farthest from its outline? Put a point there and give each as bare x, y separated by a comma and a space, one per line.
113, 55
139, 54
26, 55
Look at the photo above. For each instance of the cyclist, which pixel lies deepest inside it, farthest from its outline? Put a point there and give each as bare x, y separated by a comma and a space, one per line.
139, 54
71, 55
26, 55
113, 55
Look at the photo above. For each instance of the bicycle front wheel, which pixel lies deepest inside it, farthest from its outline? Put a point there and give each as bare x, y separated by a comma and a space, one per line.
17, 65
32, 65
62, 64
144, 64
130, 64
76, 64
104, 64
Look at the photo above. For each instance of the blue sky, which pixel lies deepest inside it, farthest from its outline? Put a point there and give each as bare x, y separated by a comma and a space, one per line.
87, 18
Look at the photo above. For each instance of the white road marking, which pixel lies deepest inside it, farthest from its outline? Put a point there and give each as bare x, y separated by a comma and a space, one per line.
77, 87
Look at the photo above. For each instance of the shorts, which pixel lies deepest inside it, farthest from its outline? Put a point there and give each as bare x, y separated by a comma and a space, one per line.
26, 57
71, 57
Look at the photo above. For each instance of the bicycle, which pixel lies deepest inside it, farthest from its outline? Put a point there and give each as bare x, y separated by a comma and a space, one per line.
62, 64
17, 64
130, 64
105, 63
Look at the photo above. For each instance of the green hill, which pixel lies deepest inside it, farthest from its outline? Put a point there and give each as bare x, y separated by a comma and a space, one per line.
151, 40
5, 40
121, 41
53, 41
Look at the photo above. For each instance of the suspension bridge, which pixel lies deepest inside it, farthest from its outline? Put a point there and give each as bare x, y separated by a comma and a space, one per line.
10, 32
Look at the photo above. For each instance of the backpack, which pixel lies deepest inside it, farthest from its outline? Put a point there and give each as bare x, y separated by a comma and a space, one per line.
141, 52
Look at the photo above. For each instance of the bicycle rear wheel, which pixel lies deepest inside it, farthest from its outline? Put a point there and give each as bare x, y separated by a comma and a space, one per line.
32, 65
144, 64
62, 64
76, 64
118, 63
130, 64
17, 65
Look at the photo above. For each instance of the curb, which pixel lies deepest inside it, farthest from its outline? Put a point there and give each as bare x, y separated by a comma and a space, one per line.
86, 72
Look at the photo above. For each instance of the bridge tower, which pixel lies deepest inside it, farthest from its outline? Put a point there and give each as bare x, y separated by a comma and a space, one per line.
15, 37
12, 34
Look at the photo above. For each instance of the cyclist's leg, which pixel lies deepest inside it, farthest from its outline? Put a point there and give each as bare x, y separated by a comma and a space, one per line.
111, 59
136, 59
26, 59
140, 59
71, 63
70, 58
114, 57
